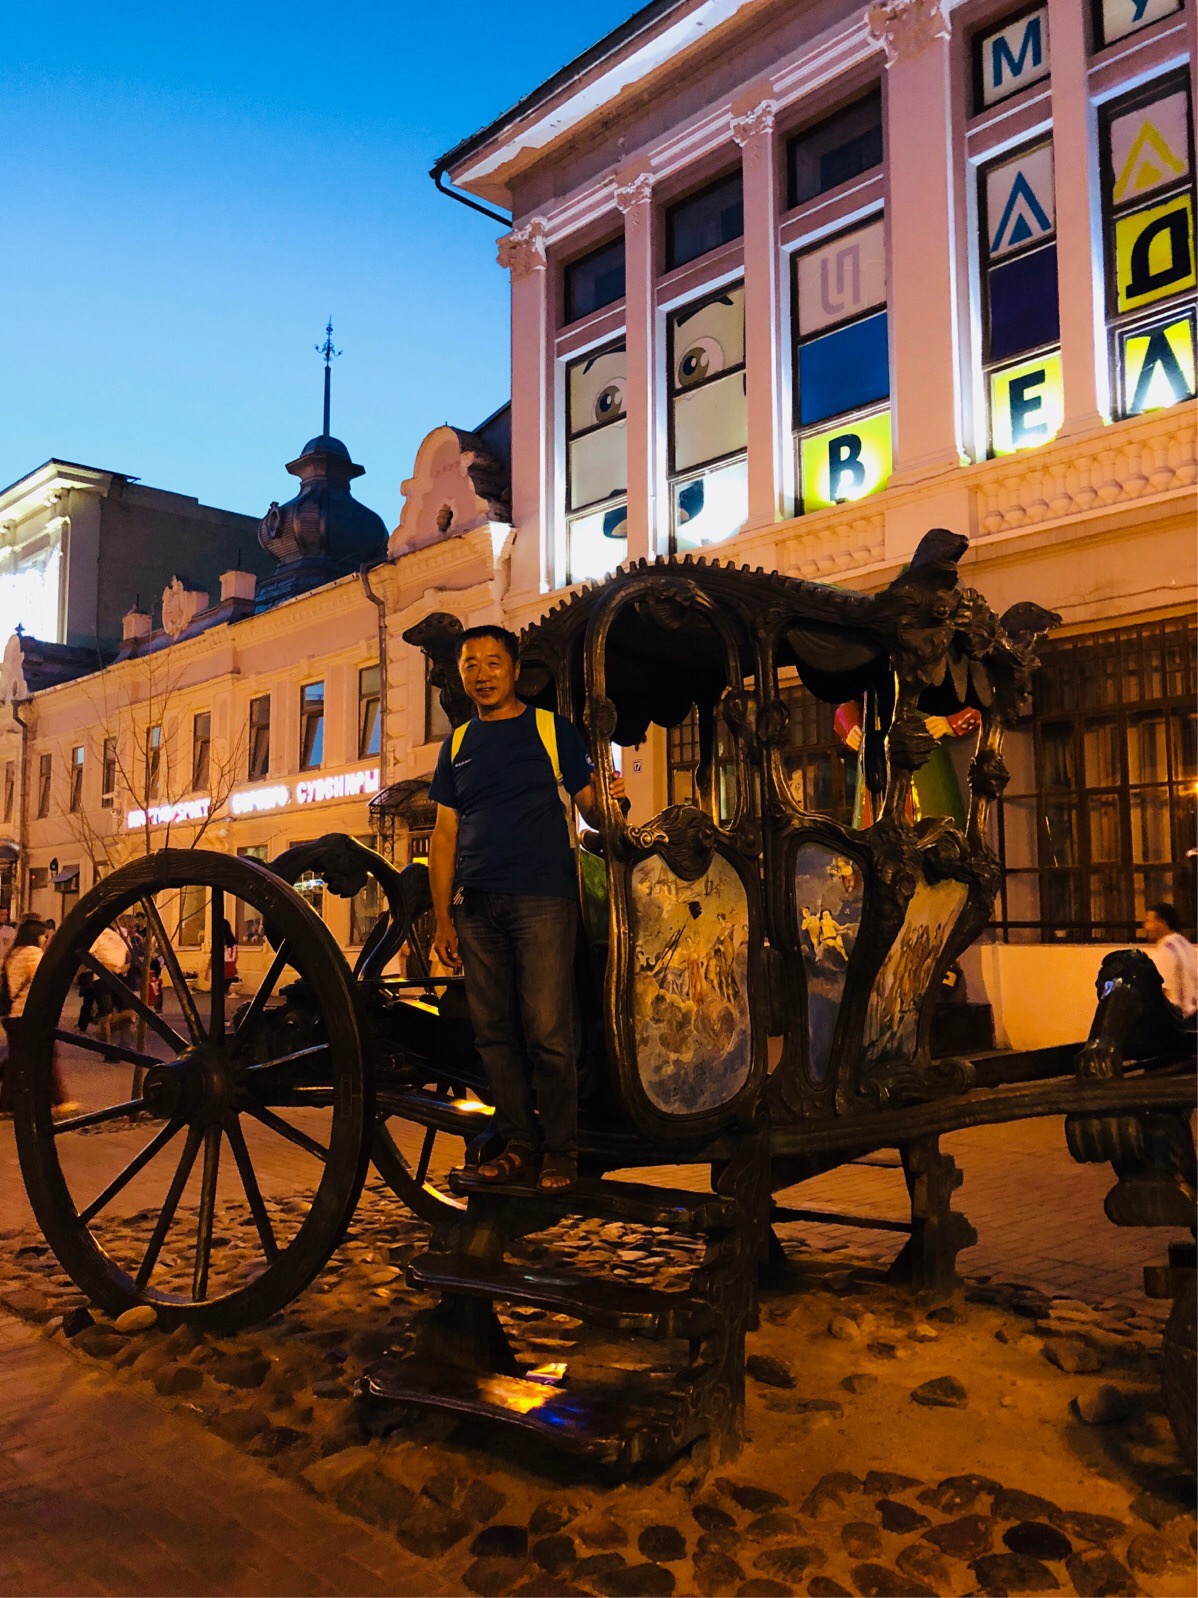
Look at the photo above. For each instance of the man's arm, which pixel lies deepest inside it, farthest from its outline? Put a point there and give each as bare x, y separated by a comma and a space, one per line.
587, 799
442, 859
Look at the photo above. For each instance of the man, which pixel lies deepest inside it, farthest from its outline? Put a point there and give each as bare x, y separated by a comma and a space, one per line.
1174, 956
505, 897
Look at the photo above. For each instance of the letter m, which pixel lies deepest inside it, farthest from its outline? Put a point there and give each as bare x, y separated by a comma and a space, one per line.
1031, 44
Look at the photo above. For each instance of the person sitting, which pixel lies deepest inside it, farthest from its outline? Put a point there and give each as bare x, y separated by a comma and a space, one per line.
1174, 956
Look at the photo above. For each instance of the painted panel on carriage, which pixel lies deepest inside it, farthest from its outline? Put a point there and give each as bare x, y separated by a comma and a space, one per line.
690, 1000
892, 1020
829, 890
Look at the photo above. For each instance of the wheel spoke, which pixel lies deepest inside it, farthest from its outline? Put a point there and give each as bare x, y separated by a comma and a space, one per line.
114, 1112
114, 1053
426, 1152
170, 1204
301, 1056
170, 959
285, 1129
136, 1164
282, 958
132, 1001
253, 1193
199, 1280
216, 1026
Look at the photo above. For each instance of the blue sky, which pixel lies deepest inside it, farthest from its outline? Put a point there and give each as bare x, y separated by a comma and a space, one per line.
189, 191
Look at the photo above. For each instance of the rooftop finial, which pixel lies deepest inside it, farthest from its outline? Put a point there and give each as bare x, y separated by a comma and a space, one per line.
326, 349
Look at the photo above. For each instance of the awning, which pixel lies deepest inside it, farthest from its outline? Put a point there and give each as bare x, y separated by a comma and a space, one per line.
67, 878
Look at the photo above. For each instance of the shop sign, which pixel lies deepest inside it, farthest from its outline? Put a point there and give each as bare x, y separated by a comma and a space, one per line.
1154, 252
169, 815
845, 462
1158, 365
1027, 404
1014, 57
264, 799
1121, 17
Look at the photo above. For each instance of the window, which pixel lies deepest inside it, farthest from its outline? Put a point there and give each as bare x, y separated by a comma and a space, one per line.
76, 793
201, 749
108, 774
842, 368
1010, 58
704, 221
841, 147
153, 760
1018, 251
45, 766
311, 725
1101, 808
259, 739
369, 702
436, 722
311, 888
248, 921
1148, 217
596, 463
10, 788
682, 762
593, 281
193, 905
365, 907
708, 419
39, 877
1115, 19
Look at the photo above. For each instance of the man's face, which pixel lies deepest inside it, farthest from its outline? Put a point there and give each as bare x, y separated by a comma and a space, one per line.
1154, 929
488, 672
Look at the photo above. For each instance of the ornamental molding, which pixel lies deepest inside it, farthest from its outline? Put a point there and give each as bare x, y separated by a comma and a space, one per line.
180, 607
823, 546
14, 690
759, 122
906, 27
636, 191
522, 251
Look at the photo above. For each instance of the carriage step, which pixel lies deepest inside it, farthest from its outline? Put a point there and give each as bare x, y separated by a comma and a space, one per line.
605, 1424
623, 1307
671, 1208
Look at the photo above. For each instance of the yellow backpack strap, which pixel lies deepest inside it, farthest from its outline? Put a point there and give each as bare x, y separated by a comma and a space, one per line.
455, 742
547, 731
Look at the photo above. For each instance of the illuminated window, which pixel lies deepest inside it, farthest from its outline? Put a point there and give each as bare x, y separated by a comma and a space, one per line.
1010, 58
201, 749
1021, 314
366, 907
841, 147
45, 768
369, 720
311, 887
311, 725
259, 739
247, 921
108, 774
1148, 216
193, 904
596, 463
704, 221
593, 281
709, 485
1115, 19
842, 367
75, 799
153, 760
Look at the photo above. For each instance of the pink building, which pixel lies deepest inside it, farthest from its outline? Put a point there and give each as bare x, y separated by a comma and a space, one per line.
792, 283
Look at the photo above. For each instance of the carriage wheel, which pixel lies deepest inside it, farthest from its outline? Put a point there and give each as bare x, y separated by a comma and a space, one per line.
271, 1077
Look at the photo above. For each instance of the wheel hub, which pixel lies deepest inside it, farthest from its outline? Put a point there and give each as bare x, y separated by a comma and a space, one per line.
198, 1087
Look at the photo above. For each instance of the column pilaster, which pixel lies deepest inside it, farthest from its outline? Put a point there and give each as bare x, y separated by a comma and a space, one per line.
753, 131
634, 198
522, 252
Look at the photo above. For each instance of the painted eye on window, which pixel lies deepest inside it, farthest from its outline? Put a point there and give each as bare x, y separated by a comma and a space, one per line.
703, 359
609, 403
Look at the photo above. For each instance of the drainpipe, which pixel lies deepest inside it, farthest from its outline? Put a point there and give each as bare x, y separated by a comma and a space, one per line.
380, 605
22, 813
437, 173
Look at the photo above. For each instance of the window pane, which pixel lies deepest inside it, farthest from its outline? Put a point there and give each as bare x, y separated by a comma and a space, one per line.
1150, 843
1109, 906
836, 150
247, 921
598, 543
841, 279
1147, 760
1105, 840
311, 725
1060, 834
1184, 737
595, 388
703, 222
710, 422
595, 280
844, 371
1102, 749
712, 506
598, 465
707, 339
1023, 303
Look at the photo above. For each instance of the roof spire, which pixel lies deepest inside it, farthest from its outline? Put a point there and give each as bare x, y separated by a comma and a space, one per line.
326, 349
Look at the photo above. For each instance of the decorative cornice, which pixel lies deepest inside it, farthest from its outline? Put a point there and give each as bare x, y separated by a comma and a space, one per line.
758, 121
636, 191
905, 27
522, 251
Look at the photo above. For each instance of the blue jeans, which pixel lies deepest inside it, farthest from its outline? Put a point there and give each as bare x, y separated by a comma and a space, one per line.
518, 959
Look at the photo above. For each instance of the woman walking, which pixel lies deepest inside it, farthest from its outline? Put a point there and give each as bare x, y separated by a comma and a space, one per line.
23, 960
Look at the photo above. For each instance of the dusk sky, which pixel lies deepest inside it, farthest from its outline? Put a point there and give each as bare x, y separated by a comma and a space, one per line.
190, 191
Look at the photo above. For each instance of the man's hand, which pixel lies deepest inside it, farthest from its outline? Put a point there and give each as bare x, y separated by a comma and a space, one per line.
617, 788
445, 945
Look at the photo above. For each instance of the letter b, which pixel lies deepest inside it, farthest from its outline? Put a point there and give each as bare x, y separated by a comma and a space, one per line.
844, 460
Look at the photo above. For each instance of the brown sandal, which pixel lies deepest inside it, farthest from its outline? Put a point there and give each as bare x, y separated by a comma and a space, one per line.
513, 1162
559, 1173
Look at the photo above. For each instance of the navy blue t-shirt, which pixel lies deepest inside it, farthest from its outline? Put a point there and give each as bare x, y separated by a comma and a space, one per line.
512, 832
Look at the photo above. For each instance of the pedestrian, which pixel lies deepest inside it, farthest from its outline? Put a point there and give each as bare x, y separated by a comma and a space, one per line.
228, 946
1174, 956
7, 933
19, 970
505, 898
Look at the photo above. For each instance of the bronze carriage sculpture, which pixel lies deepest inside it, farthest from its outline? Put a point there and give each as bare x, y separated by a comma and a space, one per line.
756, 986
